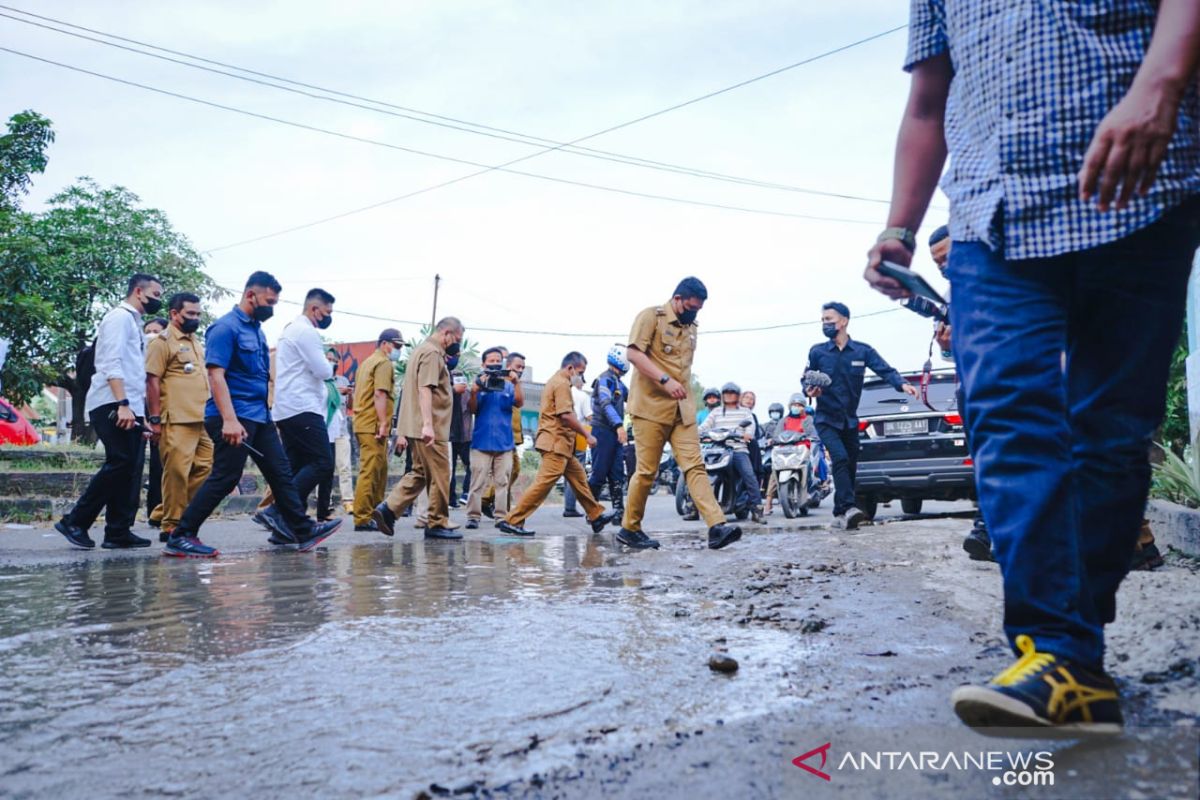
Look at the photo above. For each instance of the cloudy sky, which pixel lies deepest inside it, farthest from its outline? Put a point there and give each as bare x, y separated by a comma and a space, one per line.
513, 251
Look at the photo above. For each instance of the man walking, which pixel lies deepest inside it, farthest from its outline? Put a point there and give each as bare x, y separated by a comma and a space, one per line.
1075, 134
558, 426
661, 347
176, 393
492, 440
608, 428
116, 405
374, 396
301, 396
425, 409
845, 362
239, 422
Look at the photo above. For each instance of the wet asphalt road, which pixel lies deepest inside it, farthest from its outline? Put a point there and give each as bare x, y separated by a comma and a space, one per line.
559, 666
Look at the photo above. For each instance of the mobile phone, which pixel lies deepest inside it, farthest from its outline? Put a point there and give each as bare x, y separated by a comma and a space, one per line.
910, 280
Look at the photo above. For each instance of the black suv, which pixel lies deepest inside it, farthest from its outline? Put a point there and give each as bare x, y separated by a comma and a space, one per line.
912, 449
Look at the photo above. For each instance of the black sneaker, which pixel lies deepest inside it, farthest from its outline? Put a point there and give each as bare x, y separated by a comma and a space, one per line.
472, 524
369, 525
1041, 695
572, 513
281, 534
442, 533
978, 544
259, 518
163, 536
384, 519
181, 546
756, 515
636, 540
320, 532
514, 530
75, 535
126, 541
154, 523
1146, 558
599, 522
691, 516
722, 535
488, 507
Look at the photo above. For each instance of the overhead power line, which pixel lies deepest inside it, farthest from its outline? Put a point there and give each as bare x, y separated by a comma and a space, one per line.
425, 153
402, 112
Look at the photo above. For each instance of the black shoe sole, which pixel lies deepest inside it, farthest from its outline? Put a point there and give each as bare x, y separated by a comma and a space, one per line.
381, 523
636, 544
176, 554
125, 546
58, 526
447, 536
725, 542
991, 713
977, 550
601, 522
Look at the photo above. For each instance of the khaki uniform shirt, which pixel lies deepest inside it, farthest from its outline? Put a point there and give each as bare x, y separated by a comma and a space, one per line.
518, 430
427, 367
671, 345
177, 359
553, 436
375, 373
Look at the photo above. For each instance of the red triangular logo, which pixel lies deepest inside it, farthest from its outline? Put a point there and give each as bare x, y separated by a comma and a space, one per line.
823, 750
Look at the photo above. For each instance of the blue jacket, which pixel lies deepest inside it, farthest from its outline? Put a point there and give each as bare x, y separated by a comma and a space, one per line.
838, 403
608, 401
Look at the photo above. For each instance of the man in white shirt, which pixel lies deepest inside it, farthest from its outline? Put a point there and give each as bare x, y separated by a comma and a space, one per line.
116, 406
583, 412
301, 397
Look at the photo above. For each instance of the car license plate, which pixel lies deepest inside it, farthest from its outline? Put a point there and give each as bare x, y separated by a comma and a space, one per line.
905, 427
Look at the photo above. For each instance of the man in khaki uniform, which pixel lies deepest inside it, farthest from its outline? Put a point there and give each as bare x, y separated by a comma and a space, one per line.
558, 426
661, 347
425, 410
176, 391
374, 393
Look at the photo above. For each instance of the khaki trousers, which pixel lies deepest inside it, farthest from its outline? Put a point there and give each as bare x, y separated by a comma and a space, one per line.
489, 469
187, 456
555, 466
341, 459
431, 469
648, 440
372, 476
490, 494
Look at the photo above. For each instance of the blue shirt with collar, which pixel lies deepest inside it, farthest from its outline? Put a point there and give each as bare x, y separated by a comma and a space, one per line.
846, 367
493, 421
236, 343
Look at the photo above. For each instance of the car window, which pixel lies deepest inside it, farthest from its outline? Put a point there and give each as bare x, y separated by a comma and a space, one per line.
879, 398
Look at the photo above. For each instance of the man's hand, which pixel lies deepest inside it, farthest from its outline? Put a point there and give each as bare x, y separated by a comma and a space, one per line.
747, 436
401, 445
942, 336
910, 390
126, 420
232, 432
382, 431
675, 389
813, 391
591, 440
1128, 147
459, 388
427, 433
155, 432
887, 250
622, 437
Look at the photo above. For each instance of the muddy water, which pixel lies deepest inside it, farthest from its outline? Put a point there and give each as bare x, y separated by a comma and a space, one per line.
374, 669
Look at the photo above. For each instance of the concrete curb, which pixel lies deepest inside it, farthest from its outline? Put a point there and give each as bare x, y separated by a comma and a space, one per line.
1176, 526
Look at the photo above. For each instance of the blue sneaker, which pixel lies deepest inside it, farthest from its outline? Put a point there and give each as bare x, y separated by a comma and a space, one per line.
182, 546
270, 518
320, 532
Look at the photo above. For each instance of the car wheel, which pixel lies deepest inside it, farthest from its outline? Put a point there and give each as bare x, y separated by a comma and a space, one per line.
912, 505
868, 504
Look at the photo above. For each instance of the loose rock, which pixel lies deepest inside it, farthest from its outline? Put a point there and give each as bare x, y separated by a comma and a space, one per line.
722, 662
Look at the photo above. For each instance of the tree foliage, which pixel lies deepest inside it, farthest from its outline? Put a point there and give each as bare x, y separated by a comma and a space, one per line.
22, 155
1176, 431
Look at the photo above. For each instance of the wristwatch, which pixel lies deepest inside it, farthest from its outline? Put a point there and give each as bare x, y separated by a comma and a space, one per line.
903, 235
664, 378
155, 420
124, 402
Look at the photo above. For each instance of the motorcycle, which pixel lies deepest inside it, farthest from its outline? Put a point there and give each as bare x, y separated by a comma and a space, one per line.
792, 463
668, 472
716, 448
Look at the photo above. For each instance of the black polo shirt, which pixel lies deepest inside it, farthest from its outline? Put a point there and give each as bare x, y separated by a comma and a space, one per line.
838, 403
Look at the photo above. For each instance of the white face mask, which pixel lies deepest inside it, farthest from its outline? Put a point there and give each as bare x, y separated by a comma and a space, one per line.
150, 337
776, 415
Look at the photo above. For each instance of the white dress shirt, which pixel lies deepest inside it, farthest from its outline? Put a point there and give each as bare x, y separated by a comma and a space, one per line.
120, 353
301, 370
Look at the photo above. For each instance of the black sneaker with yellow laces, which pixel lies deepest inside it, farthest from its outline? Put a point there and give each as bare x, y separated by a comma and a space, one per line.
1042, 696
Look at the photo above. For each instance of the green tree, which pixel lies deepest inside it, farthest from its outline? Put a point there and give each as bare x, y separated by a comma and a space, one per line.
1175, 433
22, 155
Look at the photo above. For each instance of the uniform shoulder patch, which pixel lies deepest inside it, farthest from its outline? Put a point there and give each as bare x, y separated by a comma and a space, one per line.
660, 311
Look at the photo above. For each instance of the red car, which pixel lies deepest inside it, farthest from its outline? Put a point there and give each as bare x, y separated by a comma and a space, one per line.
15, 429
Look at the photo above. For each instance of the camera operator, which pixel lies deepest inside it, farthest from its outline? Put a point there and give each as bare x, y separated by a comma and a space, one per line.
494, 395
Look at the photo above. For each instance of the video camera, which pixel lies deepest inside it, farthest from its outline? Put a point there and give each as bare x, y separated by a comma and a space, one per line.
493, 378
926, 308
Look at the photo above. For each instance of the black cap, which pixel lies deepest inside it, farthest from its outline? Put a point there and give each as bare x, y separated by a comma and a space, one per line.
391, 335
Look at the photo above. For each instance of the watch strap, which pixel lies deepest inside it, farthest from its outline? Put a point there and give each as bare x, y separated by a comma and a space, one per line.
902, 235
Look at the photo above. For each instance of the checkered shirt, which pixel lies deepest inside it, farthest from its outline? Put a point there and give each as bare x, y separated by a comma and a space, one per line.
1032, 81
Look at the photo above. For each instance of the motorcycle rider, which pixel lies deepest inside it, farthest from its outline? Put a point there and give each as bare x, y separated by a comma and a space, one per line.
608, 426
729, 417
775, 416
712, 399
799, 420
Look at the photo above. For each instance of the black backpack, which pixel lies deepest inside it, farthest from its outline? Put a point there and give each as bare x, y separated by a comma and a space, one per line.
85, 367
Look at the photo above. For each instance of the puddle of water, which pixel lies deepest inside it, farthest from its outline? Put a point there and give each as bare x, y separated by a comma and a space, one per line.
364, 670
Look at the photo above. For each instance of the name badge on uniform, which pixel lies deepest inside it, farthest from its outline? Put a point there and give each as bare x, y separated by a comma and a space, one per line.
667, 348
183, 348
858, 363
189, 368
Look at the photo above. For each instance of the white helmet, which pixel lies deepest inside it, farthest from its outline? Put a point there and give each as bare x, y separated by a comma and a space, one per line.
617, 358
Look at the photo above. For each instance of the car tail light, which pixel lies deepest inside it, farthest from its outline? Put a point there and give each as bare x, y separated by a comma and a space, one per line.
863, 425
968, 462
955, 420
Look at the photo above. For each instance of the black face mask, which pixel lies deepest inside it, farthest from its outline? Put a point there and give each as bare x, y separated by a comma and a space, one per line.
263, 313
687, 316
190, 325
326, 322
453, 349
151, 305
830, 330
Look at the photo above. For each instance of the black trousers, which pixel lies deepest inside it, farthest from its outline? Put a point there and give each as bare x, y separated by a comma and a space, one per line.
460, 451
306, 442
842, 444
228, 463
325, 488
607, 465
153, 482
115, 487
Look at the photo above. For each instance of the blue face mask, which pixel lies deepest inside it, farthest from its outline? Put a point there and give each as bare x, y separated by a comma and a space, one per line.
451, 362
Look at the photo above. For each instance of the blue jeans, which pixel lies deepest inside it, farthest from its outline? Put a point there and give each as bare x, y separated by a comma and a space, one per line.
569, 501
1062, 454
749, 478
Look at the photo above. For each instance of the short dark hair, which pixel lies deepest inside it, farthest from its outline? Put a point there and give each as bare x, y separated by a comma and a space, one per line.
513, 356
139, 279
318, 294
939, 234
498, 351
263, 280
450, 324
689, 288
175, 303
156, 321
573, 359
841, 308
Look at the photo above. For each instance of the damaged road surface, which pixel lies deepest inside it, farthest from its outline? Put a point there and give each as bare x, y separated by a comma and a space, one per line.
561, 666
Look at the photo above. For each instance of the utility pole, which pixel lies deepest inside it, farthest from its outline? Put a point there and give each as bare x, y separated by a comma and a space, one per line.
437, 279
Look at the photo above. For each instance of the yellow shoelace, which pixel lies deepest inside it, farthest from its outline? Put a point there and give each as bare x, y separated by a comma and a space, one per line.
1030, 662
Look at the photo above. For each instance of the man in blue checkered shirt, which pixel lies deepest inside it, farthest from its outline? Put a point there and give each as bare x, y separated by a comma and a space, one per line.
1074, 183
